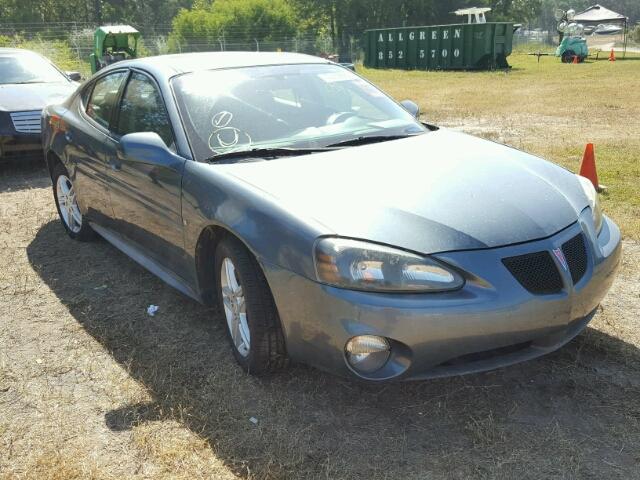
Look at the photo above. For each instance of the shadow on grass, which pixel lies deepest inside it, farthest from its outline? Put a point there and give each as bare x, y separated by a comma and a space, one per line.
573, 413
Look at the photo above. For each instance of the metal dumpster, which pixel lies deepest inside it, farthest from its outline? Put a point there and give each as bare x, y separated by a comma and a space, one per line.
475, 46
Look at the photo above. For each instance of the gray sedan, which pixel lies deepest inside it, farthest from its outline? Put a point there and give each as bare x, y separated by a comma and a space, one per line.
328, 224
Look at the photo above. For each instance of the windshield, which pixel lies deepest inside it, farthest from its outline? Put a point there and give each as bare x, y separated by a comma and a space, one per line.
284, 106
28, 68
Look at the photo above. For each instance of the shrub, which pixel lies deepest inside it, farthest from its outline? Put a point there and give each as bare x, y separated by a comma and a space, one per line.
233, 25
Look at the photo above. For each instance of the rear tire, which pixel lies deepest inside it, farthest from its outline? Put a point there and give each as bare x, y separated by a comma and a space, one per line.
248, 308
67, 205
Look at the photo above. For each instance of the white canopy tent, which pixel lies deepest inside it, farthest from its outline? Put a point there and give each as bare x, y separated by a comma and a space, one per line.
597, 14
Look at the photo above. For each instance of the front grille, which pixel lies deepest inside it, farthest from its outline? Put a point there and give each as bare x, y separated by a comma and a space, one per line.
575, 252
537, 272
26, 122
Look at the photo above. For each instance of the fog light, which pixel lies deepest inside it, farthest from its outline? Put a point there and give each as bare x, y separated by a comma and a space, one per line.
367, 353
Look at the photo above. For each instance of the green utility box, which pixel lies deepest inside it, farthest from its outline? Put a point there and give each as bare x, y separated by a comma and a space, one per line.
474, 46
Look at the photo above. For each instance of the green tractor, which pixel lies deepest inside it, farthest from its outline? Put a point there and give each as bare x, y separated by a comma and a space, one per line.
573, 46
113, 44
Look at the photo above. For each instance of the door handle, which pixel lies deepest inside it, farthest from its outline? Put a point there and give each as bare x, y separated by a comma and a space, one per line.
67, 136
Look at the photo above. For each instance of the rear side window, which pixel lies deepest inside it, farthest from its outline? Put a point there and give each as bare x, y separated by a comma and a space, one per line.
104, 97
142, 110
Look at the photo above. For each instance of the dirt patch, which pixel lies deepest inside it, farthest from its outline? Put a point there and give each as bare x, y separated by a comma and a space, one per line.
92, 387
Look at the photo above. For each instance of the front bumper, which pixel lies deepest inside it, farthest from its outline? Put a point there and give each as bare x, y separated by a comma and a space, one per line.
491, 322
20, 146
16, 143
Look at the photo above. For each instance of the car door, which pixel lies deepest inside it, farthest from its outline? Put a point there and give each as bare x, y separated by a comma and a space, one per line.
88, 150
146, 194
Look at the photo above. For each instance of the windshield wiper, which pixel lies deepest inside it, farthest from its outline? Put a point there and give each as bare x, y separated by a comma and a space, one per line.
265, 153
275, 152
372, 139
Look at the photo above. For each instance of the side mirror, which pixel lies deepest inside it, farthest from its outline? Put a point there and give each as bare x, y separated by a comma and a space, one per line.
411, 107
74, 76
145, 147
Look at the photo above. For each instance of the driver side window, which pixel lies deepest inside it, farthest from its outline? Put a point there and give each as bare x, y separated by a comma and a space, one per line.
142, 110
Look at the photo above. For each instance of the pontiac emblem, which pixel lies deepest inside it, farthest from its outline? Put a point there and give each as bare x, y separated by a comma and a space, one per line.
561, 258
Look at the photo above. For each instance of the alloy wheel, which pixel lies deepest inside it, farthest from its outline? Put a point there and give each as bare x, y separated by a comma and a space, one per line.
235, 307
68, 204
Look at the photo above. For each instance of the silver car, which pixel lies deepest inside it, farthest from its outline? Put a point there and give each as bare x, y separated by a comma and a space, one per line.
326, 221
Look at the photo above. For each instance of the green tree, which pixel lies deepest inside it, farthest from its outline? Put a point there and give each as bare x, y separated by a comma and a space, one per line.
519, 11
345, 20
233, 25
139, 12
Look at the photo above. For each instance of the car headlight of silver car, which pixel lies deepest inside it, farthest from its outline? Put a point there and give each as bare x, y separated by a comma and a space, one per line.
360, 265
594, 201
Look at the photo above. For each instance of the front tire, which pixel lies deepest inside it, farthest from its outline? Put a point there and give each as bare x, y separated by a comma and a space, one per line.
67, 205
246, 303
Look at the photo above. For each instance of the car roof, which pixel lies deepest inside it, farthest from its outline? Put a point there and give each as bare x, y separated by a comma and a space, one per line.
168, 66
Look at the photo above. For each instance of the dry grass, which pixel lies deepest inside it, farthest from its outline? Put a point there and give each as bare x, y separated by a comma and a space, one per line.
91, 387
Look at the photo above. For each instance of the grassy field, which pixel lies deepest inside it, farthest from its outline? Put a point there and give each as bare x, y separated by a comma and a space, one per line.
92, 387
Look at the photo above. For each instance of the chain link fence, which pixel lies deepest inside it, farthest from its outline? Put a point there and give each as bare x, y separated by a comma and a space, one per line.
69, 44
72, 42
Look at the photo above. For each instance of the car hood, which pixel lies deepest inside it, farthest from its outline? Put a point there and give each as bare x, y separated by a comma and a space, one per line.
33, 96
437, 192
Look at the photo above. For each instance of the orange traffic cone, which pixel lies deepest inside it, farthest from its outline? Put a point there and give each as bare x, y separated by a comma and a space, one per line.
588, 167
575, 59
612, 56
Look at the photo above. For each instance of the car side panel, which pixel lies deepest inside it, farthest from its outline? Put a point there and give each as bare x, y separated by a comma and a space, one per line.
86, 158
146, 203
146, 194
211, 197
53, 141
76, 145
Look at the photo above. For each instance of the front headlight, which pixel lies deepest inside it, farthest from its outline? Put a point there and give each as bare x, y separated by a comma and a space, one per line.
362, 265
594, 201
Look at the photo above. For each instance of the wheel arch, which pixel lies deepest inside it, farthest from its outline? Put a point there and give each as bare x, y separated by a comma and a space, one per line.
52, 159
205, 251
271, 336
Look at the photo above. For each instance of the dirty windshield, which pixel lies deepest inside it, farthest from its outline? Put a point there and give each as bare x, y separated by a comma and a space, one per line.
284, 106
